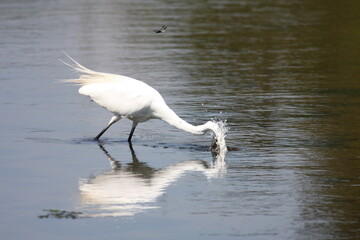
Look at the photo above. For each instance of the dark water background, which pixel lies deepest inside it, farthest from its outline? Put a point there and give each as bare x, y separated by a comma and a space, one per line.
284, 74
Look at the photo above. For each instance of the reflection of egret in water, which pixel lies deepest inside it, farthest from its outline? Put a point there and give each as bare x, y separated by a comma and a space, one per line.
134, 188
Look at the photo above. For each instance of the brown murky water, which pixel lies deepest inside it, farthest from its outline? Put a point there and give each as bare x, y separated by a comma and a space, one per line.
284, 74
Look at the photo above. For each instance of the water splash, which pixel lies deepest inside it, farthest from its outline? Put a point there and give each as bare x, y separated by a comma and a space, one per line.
219, 150
219, 143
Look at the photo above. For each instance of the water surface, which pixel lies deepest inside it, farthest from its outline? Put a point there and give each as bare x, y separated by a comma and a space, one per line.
284, 75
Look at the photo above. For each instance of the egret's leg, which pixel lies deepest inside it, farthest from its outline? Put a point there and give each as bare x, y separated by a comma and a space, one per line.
113, 120
132, 130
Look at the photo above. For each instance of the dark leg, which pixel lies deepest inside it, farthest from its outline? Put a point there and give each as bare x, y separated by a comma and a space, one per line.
133, 155
113, 120
132, 131
102, 132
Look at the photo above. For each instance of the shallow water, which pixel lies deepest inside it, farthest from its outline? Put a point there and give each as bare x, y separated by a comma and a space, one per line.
284, 75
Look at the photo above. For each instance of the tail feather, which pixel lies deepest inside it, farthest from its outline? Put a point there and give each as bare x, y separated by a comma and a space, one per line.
87, 76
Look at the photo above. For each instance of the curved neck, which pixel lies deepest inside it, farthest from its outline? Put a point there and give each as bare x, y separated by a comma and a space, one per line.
173, 119
163, 112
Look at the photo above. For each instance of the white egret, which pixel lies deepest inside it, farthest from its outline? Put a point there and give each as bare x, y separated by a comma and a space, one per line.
126, 97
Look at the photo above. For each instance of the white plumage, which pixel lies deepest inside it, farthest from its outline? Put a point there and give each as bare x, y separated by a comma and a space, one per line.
133, 99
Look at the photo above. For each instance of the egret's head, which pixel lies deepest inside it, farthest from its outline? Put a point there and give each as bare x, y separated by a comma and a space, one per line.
219, 129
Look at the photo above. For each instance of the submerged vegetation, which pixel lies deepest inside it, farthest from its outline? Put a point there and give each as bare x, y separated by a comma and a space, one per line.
60, 214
